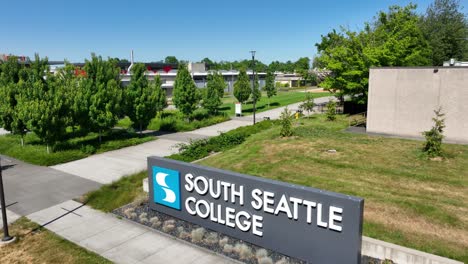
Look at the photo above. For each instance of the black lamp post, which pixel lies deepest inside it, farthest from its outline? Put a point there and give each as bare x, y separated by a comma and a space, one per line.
253, 83
6, 235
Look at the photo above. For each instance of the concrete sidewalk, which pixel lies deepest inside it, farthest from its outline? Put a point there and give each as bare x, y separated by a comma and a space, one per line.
119, 240
30, 188
111, 166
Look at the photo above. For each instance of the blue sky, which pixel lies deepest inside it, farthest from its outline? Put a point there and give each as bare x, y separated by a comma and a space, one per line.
191, 30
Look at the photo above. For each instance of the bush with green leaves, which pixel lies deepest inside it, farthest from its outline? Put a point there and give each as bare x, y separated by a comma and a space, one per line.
331, 110
433, 145
308, 104
201, 148
286, 123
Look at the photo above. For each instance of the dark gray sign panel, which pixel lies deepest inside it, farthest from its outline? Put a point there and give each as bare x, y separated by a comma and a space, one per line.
306, 223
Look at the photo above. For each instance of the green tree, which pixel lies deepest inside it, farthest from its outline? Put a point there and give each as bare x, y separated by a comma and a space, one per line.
242, 89
434, 137
270, 86
286, 123
161, 101
393, 39
171, 60
446, 29
185, 95
256, 93
46, 111
331, 110
141, 98
308, 104
105, 94
77, 97
213, 94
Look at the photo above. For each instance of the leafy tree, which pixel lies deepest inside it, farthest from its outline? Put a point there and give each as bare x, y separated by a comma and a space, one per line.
105, 94
141, 98
77, 97
209, 64
446, 29
302, 64
270, 86
171, 59
331, 110
308, 104
256, 93
46, 111
242, 89
161, 101
434, 137
286, 123
185, 95
393, 39
212, 95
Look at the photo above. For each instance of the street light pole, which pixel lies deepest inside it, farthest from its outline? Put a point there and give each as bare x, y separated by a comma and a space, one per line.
6, 235
253, 83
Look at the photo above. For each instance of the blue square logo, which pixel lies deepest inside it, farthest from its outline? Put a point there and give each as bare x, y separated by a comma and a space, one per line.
166, 187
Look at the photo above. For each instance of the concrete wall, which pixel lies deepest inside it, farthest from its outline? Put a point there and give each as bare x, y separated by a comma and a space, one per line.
402, 101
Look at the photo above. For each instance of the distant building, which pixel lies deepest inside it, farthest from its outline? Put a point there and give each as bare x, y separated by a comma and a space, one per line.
291, 79
453, 62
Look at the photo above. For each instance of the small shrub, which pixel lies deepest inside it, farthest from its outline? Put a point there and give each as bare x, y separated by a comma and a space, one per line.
308, 104
88, 149
211, 238
434, 137
200, 114
286, 123
261, 253
223, 241
265, 260
197, 234
228, 249
331, 110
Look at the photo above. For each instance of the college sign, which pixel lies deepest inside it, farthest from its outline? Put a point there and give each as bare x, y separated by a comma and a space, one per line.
306, 223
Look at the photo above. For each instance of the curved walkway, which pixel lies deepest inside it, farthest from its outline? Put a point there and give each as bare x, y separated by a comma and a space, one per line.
111, 166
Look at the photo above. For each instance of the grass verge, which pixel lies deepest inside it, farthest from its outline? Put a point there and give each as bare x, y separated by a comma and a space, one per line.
409, 200
43, 247
74, 147
281, 99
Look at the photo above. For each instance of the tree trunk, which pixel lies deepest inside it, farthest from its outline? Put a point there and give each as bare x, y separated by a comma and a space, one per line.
141, 129
22, 141
100, 136
47, 146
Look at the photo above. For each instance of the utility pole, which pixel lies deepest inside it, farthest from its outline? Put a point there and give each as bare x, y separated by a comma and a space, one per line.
253, 83
6, 236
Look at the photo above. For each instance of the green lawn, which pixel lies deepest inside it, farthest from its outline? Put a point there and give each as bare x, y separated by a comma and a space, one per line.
75, 147
409, 200
281, 99
43, 247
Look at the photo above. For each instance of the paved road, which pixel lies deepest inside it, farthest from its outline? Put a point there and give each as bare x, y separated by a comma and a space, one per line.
30, 188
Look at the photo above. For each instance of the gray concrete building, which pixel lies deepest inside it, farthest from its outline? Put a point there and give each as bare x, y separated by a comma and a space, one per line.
402, 101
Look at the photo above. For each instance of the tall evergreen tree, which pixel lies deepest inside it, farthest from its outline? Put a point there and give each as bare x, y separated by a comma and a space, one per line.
446, 29
185, 92
256, 93
103, 86
270, 86
141, 98
212, 95
242, 88
161, 101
